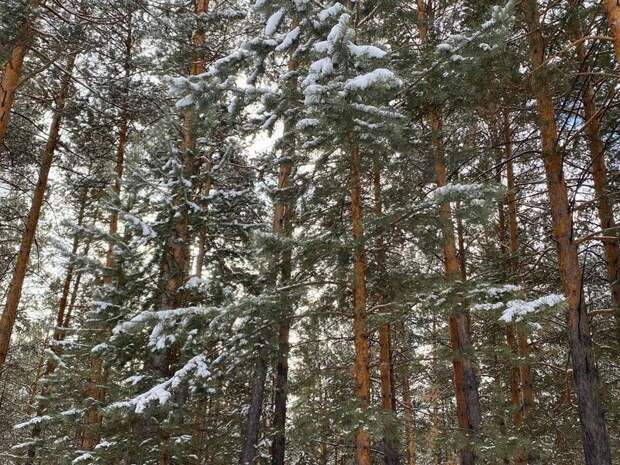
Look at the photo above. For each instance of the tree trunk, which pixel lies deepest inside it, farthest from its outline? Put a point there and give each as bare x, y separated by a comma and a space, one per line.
466, 386
408, 409
94, 387
594, 430
248, 452
12, 70
599, 167
15, 287
390, 447
521, 386
612, 8
360, 331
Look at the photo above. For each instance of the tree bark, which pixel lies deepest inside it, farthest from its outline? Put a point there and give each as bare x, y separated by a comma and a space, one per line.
612, 8
284, 208
248, 452
594, 430
360, 330
599, 166
9, 314
466, 386
408, 409
12, 70
390, 447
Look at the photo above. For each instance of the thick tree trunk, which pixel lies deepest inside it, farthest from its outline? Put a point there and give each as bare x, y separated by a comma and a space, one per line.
594, 430
360, 331
466, 386
15, 287
599, 167
612, 8
12, 70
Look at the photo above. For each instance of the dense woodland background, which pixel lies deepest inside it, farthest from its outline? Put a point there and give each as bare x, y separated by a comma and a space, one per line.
310, 232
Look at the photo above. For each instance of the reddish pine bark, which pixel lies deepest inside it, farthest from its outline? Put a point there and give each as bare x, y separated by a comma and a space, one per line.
12, 70
612, 8
386, 371
15, 287
594, 430
360, 330
599, 167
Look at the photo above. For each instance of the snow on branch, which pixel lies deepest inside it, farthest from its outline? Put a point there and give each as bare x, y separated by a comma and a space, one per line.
162, 392
516, 309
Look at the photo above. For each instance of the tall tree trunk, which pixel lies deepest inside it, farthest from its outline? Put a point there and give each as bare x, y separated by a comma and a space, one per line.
390, 447
95, 385
468, 404
612, 8
599, 167
360, 330
15, 287
408, 408
248, 452
12, 70
594, 430
466, 386
284, 208
521, 386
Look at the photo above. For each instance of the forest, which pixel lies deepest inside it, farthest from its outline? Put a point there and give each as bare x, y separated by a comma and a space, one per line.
310, 232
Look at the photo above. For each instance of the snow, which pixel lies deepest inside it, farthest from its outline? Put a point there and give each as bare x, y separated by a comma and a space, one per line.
366, 51
273, 22
378, 77
332, 11
161, 393
83, 457
307, 123
289, 39
519, 308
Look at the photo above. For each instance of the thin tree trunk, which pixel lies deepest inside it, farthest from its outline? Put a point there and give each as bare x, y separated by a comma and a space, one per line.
66, 287
521, 386
594, 430
466, 386
390, 448
95, 385
15, 287
599, 167
612, 8
248, 452
94, 388
360, 331
408, 409
12, 70
284, 210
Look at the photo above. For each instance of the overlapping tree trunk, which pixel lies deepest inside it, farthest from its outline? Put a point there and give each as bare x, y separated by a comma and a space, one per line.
594, 430
390, 447
284, 209
604, 204
466, 387
521, 387
9, 314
